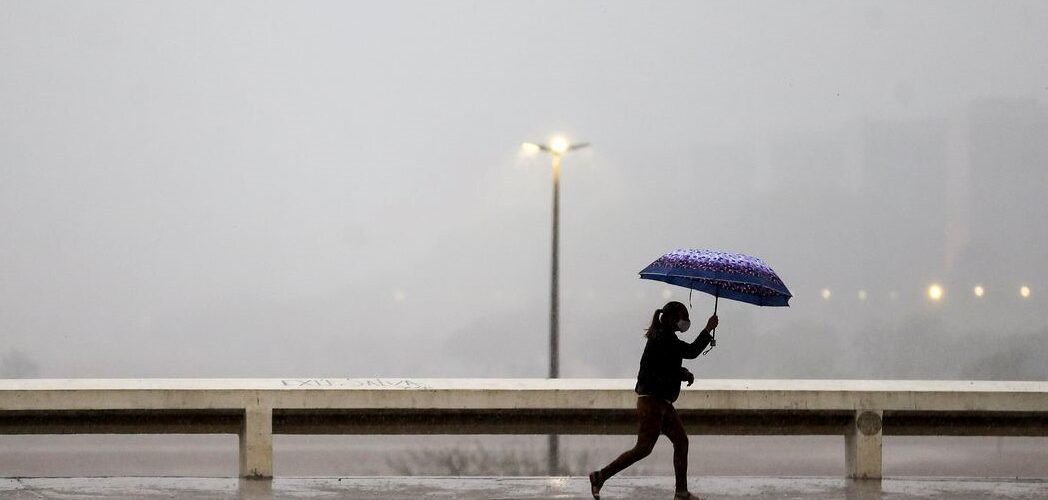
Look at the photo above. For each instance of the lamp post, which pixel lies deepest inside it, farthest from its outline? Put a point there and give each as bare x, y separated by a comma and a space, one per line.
557, 147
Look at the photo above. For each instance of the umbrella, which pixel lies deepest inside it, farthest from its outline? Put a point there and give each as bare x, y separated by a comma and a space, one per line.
722, 274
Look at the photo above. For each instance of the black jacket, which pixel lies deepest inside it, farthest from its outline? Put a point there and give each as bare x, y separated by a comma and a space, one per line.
660, 365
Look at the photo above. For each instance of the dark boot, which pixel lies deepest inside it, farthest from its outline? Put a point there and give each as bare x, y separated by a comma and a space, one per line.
596, 482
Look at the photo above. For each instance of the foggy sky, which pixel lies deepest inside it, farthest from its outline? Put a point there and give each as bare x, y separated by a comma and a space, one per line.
336, 189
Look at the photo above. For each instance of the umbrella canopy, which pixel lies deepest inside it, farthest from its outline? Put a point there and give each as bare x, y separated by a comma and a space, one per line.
722, 274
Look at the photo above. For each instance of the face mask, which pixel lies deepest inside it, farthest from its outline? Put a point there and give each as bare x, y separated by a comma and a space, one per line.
683, 325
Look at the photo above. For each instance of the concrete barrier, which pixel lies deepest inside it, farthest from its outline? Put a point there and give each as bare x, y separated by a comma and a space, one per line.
860, 410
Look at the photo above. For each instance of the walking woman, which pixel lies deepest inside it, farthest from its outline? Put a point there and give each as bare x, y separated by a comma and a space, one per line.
658, 385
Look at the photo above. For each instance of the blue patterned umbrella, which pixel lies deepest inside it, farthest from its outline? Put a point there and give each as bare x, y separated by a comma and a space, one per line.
721, 274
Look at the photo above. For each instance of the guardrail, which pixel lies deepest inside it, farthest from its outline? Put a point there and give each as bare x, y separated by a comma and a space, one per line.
255, 409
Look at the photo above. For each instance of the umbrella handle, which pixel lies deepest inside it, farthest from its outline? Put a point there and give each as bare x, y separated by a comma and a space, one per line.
713, 333
716, 300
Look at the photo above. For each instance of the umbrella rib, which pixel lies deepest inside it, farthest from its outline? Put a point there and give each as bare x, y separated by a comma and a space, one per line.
692, 278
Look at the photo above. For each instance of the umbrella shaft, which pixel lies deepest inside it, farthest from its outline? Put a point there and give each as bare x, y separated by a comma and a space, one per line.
713, 333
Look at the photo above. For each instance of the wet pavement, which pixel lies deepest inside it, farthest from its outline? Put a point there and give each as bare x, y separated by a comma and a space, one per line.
516, 488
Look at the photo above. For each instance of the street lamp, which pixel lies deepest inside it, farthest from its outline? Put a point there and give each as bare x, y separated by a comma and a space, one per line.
558, 146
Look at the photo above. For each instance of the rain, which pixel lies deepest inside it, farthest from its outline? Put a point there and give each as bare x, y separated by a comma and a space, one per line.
339, 190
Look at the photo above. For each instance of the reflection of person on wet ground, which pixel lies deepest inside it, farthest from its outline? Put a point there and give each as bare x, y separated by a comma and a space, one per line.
658, 385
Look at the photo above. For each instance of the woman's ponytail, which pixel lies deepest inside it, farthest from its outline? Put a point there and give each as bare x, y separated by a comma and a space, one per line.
653, 330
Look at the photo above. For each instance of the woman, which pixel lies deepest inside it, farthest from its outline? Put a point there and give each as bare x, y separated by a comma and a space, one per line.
658, 385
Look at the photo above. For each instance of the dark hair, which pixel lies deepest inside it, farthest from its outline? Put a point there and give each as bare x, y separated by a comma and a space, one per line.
657, 325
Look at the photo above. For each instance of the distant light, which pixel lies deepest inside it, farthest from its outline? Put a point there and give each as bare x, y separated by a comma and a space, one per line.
826, 294
559, 145
935, 292
667, 293
893, 295
979, 291
862, 295
399, 296
529, 148
1024, 292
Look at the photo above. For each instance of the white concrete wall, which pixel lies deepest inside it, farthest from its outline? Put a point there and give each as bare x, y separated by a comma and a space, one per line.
866, 401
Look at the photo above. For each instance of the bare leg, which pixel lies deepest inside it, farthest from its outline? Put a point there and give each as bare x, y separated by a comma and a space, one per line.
650, 413
674, 429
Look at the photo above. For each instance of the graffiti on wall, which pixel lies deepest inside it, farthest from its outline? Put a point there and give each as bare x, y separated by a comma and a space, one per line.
354, 383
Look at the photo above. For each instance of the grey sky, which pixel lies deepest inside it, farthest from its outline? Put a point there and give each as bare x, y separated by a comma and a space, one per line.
335, 188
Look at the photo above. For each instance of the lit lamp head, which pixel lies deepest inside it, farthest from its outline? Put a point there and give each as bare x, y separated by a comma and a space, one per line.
530, 148
559, 145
